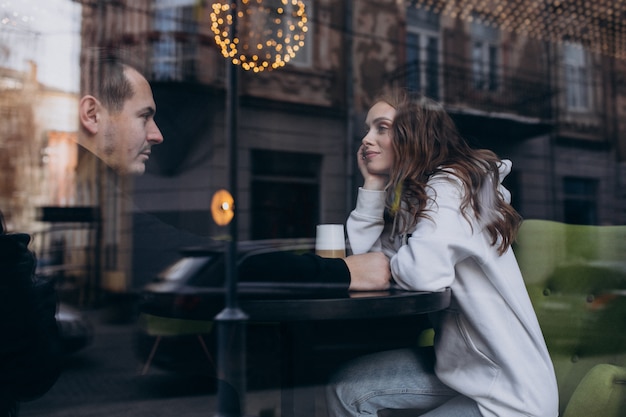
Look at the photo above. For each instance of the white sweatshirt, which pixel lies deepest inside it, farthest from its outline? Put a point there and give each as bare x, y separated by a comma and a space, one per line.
488, 343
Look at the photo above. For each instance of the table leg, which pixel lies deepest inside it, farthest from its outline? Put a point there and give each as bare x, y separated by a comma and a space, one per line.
297, 391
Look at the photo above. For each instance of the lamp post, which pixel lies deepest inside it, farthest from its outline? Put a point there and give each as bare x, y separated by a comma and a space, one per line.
231, 321
273, 35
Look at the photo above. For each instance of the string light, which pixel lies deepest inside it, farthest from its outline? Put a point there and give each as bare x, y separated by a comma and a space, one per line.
271, 32
599, 25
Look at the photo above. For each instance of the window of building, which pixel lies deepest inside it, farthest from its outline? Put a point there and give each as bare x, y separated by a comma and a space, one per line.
174, 52
577, 83
580, 200
284, 194
422, 52
485, 56
304, 57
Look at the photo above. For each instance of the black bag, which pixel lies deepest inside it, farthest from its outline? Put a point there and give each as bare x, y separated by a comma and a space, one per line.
30, 346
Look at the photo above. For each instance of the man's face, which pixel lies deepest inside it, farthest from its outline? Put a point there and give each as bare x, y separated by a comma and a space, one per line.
130, 133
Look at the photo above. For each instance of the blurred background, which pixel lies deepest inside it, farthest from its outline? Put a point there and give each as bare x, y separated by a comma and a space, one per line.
541, 82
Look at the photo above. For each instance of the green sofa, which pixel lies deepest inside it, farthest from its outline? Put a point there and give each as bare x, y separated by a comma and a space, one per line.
576, 278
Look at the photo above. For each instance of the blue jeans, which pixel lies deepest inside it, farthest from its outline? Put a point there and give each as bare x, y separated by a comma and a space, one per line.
395, 380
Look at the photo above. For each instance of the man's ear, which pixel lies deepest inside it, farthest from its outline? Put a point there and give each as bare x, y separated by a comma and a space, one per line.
89, 109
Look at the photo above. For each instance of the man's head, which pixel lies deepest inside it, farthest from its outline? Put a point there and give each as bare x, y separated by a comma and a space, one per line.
117, 119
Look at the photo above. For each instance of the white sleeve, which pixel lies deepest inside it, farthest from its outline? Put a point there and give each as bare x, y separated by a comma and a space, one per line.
427, 262
504, 169
366, 222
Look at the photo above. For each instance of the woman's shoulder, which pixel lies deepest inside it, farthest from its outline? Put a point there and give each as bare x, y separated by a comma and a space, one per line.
445, 179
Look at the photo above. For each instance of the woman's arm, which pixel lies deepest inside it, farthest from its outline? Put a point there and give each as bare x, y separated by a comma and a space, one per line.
364, 272
427, 262
366, 223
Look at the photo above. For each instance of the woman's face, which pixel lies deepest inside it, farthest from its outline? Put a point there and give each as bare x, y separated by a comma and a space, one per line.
376, 149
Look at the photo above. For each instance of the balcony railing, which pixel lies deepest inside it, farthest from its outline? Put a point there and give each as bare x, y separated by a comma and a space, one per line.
509, 92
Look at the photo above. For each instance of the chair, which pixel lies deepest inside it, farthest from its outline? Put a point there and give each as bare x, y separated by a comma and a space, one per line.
576, 278
600, 393
165, 326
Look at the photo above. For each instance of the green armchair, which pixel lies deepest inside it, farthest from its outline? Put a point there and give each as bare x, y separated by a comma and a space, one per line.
576, 278
600, 393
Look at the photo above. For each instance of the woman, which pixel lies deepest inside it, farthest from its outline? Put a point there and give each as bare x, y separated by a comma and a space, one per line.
437, 209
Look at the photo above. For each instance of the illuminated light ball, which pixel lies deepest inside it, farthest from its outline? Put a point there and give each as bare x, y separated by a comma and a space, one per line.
268, 31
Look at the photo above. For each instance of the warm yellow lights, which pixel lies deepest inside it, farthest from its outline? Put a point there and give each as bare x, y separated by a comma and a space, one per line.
270, 32
222, 207
597, 25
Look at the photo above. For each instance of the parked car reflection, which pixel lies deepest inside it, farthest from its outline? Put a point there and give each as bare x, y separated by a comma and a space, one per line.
175, 332
75, 329
177, 291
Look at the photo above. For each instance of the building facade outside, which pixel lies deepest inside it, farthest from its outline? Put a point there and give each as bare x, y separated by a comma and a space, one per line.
555, 109
38, 148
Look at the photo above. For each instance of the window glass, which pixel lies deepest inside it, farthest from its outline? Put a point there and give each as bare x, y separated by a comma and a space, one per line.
485, 56
576, 77
284, 200
478, 72
422, 18
580, 200
173, 54
184, 268
432, 68
304, 57
422, 52
413, 79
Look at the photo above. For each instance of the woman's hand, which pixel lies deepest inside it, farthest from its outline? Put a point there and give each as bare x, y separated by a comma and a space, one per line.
369, 271
371, 181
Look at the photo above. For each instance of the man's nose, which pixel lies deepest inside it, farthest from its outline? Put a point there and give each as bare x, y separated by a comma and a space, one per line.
154, 134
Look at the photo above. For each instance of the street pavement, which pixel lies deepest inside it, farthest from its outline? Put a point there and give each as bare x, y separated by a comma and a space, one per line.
105, 379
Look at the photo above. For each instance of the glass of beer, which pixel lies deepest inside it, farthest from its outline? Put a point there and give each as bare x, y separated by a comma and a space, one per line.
330, 241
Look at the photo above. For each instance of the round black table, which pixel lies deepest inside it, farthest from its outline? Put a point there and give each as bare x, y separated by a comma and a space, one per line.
303, 302
289, 302
295, 304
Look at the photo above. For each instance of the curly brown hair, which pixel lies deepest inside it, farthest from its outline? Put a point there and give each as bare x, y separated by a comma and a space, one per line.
426, 142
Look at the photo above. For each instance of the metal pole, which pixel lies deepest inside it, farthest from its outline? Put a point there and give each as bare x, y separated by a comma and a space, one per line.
231, 322
349, 96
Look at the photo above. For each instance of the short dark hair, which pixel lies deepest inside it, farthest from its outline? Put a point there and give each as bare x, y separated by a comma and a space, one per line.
113, 86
